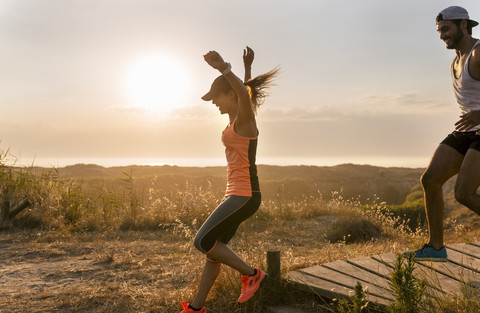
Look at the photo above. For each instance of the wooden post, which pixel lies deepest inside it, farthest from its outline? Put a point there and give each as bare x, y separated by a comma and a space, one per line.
273, 265
22, 206
5, 220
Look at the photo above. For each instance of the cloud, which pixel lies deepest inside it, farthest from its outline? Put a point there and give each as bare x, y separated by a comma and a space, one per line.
195, 112
410, 103
302, 113
128, 109
362, 104
182, 113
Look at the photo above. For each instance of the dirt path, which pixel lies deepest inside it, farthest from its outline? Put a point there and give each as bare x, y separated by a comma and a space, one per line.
48, 273
33, 277
34, 267
122, 271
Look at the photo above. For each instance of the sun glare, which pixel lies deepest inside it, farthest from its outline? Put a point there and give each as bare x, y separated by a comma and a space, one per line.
157, 83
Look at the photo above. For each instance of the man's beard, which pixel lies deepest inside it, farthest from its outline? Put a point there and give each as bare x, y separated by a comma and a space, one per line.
456, 39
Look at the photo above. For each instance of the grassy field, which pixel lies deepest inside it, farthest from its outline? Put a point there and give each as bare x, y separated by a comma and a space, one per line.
120, 239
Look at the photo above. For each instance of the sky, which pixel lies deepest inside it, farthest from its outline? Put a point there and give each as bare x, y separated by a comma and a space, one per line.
118, 82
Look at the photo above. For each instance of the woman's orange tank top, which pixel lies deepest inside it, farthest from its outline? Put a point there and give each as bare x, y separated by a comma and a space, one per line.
241, 152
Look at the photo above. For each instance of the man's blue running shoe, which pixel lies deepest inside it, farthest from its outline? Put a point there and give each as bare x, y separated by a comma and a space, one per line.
429, 253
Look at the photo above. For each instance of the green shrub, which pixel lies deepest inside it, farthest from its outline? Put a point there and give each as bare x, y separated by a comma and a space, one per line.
413, 209
408, 289
358, 304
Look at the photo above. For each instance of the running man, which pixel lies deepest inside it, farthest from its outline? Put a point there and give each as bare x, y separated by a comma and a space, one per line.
459, 153
242, 198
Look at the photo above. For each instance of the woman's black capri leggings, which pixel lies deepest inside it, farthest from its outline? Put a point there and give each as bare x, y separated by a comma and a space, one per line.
222, 224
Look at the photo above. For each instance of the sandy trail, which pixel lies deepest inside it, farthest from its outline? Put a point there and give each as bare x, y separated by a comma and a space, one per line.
78, 273
32, 267
32, 277
122, 271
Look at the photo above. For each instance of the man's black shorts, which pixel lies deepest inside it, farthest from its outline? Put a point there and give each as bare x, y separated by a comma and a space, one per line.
462, 141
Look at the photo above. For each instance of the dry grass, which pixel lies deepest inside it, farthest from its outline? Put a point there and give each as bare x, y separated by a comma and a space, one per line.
151, 271
129, 248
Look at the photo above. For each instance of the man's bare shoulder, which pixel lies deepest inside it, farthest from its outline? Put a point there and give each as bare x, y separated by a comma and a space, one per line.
476, 51
474, 66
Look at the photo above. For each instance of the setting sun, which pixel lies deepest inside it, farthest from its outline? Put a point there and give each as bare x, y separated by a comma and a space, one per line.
157, 83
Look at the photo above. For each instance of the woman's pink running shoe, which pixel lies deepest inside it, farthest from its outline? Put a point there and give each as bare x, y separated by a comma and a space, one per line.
187, 309
251, 284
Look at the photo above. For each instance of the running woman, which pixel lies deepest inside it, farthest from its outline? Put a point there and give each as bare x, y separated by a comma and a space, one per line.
242, 197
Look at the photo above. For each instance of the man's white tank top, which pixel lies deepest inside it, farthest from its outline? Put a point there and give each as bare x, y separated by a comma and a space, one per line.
466, 88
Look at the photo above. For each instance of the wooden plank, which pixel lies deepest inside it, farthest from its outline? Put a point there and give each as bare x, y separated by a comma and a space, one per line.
388, 259
284, 309
373, 266
344, 280
468, 249
471, 259
365, 277
454, 271
318, 286
436, 281
477, 244
464, 260
326, 288
337, 279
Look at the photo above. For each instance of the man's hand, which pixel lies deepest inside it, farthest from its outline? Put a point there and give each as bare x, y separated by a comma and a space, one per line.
468, 121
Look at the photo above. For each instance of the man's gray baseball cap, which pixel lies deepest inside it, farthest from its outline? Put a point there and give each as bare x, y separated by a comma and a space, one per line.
455, 13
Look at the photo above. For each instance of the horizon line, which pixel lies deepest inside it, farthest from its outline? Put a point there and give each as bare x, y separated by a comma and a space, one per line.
55, 162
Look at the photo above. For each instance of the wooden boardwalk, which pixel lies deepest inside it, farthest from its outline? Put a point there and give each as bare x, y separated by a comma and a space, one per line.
337, 279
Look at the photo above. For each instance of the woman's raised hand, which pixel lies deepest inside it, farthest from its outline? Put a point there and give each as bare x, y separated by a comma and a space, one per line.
248, 56
215, 60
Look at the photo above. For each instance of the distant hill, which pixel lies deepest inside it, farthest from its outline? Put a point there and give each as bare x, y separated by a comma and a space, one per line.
390, 184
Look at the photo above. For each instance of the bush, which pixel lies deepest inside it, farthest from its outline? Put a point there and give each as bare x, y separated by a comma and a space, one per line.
358, 304
351, 229
408, 289
413, 209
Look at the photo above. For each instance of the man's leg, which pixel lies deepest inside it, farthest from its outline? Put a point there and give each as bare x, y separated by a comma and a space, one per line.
445, 163
468, 181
